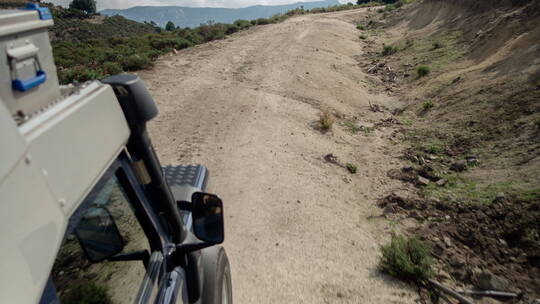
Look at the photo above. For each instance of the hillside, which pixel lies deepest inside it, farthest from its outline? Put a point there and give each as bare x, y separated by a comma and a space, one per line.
195, 16
94, 47
469, 74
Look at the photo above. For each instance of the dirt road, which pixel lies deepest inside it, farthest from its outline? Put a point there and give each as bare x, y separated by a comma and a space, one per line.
299, 229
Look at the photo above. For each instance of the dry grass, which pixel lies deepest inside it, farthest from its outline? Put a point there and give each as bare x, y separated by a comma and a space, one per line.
326, 120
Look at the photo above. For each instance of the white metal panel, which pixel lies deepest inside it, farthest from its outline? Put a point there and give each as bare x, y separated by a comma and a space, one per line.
12, 147
76, 140
18, 21
31, 232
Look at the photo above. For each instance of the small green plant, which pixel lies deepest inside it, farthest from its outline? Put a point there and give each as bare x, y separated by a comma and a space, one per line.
352, 168
326, 120
390, 7
363, 37
434, 148
389, 49
367, 130
406, 121
352, 127
437, 45
407, 258
361, 27
422, 71
86, 292
428, 105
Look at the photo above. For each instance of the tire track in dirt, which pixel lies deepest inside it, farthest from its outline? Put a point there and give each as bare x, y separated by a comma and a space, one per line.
298, 229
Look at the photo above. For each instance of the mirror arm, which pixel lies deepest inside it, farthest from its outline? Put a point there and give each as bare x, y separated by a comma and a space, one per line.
187, 248
139, 255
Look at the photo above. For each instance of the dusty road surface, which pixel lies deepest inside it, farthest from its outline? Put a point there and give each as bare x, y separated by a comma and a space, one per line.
299, 229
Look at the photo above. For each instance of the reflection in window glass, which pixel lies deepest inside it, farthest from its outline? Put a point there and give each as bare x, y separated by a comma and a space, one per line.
75, 278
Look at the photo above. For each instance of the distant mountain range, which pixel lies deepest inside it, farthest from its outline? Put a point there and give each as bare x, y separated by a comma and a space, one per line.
194, 16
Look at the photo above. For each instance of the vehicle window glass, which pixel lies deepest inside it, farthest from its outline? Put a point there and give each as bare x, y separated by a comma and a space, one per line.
75, 278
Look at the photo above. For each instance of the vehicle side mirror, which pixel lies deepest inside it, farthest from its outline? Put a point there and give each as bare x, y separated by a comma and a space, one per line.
207, 212
98, 234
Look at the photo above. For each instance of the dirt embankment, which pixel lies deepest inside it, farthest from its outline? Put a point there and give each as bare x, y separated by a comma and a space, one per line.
472, 124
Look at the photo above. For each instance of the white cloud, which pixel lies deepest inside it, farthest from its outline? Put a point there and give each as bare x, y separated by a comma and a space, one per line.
103, 4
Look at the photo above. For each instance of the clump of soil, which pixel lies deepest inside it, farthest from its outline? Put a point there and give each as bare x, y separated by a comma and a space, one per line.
502, 238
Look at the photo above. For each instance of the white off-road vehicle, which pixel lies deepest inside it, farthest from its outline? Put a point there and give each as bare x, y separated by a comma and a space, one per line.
87, 213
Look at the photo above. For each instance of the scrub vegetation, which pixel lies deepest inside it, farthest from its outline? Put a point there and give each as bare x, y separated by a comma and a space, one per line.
407, 258
89, 46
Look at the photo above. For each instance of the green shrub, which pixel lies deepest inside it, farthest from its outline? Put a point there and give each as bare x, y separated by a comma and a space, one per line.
437, 45
428, 105
243, 24
361, 27
407, 258
112, 68
422, 71
352, 168
389, 8
231, 28
80, 73
211, 31
136, 62
86, 292
389, 49
262, 21
434, 148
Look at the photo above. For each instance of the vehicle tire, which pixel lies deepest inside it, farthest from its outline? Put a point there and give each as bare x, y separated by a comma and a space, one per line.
217, 285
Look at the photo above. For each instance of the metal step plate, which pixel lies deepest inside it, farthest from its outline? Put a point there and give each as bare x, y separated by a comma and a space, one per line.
184, 180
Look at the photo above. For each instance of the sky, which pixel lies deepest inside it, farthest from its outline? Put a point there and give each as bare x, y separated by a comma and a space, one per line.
118, 4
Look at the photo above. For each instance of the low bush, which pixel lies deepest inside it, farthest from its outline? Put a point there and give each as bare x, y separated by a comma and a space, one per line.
428, 105
86, 292
112, 68
262, 21
422, 71
363, 37
407, 258
361, 27
437, 45
136, 62
434, 148
242, 24
389, 49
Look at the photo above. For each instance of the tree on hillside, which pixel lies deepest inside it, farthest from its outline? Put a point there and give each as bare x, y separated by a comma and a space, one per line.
170, 26
381, 1
88, 6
